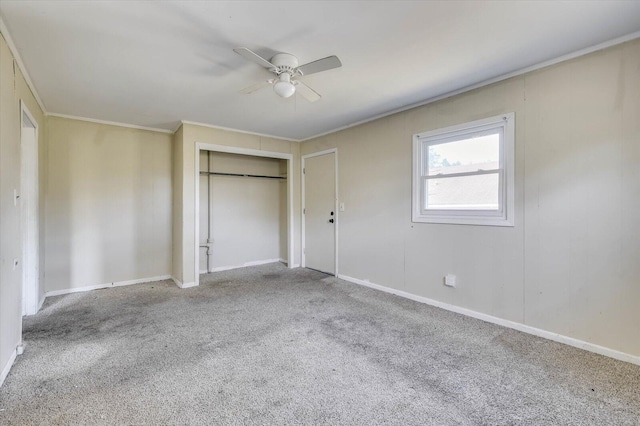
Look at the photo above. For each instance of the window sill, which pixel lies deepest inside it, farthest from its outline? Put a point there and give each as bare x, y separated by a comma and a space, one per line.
463, 220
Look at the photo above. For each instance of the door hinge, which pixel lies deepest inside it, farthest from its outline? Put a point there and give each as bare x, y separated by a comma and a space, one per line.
304, 171
304, 211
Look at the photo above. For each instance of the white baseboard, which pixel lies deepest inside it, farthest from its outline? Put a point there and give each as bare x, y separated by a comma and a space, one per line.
295, 265
106, 285
183, 285
244, 265
581, 344
8, 365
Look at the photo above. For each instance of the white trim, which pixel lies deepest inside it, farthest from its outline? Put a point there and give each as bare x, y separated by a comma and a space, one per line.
319, 153
189, 285
25, 109
27, 172
181, 285
505, 215
202, 146
106, 285
580, 344
230, 129
290, 266
336, 210
244, 151
246, 264
8, 365
14, 51
110, 123
483, 83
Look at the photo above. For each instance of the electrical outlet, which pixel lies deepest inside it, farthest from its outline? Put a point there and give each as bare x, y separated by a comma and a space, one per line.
450, 280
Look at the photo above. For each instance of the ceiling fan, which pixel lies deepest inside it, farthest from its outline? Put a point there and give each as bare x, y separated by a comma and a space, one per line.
285, 67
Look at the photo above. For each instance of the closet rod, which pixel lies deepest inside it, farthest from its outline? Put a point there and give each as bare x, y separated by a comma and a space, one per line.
241, 175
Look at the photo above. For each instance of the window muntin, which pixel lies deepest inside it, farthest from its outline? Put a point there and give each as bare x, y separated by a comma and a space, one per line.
464, 174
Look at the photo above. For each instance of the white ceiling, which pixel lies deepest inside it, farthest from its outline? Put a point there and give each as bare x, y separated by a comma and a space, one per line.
156, 63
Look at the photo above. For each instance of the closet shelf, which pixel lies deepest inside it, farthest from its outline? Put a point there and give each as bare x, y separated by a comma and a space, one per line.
242, 175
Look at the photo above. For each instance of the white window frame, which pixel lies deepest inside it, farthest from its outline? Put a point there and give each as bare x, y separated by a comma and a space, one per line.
504, 216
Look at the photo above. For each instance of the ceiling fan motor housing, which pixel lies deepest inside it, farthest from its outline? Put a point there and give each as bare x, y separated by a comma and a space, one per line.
285, 62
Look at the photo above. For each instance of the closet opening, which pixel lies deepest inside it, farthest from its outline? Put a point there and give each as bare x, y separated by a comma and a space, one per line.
244, 208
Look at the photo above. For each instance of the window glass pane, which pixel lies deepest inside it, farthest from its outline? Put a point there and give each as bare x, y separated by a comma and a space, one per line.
465, 155
479, 192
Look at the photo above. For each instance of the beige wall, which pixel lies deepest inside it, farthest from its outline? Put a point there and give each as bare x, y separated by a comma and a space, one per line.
13, 88
571, 263
108, 204
191, 134
247, 214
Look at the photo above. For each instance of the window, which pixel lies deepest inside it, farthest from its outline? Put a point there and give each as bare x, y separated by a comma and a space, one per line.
464, 174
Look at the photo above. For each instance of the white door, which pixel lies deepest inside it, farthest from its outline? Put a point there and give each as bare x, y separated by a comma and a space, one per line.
320, 213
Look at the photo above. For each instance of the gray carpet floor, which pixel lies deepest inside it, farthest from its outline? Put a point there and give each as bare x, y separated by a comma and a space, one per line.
271, 346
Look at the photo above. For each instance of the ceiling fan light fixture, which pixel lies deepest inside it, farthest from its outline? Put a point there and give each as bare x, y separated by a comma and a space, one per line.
285, 66
284, 87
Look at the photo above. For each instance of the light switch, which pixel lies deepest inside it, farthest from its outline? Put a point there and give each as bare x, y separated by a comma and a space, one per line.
341, 207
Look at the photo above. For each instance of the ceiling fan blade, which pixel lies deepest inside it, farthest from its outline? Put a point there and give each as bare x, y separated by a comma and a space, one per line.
328, 63
253, 57
256, 87
307, 92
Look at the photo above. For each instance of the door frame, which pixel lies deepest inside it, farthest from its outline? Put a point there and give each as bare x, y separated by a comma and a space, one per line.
29, 167
202, 146
337, 214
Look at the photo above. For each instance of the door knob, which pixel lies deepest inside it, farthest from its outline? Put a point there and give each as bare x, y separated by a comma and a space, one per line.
330, 220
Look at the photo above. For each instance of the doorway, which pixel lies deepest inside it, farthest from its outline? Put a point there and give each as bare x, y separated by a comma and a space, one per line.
29, 210
288, 200
320, 212
243, 211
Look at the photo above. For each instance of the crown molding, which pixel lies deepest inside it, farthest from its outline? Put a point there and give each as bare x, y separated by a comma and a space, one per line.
483, 83
229, 129
563, 58
14, 51
110, 123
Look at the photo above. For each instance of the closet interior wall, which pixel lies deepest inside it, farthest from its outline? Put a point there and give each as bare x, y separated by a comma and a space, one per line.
243, 210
